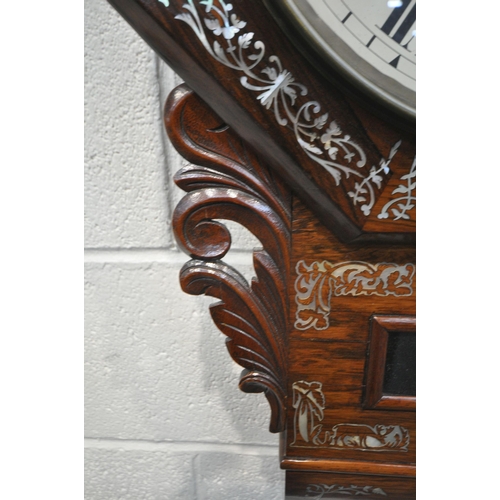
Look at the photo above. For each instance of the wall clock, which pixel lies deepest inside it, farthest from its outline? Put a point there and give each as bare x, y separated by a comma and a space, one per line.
369, 44
329, 190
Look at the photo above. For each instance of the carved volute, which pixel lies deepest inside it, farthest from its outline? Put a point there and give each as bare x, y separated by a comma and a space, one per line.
233, 183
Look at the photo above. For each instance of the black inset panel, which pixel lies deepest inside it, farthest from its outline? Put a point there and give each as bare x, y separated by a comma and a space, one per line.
400, 365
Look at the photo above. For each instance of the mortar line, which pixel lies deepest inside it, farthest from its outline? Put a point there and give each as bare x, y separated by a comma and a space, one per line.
181, 446
196, 469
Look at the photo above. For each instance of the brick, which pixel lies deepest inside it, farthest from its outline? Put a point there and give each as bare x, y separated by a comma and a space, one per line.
138, 475
225, 476
125, 174
129, 162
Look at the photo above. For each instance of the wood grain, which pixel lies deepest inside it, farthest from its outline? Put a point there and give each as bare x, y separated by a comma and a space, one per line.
332, 360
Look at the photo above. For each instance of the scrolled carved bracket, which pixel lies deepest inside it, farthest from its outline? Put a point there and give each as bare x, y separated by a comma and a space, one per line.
230, 182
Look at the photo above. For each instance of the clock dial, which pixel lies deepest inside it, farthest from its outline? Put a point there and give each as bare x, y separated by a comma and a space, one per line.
371, 42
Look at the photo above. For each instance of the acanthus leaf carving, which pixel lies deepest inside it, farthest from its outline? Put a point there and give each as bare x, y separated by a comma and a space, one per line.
232, 184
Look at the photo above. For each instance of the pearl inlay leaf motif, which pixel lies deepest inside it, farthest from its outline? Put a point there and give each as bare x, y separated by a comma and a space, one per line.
309, 404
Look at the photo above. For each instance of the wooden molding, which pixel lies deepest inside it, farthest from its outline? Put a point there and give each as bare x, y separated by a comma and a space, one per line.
374, 396
348, 466
231, 182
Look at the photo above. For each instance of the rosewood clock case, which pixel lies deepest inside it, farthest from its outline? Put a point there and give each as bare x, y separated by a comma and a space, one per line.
326, 330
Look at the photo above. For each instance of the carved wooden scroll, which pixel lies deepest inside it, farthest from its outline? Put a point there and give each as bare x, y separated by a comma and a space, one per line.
230, 182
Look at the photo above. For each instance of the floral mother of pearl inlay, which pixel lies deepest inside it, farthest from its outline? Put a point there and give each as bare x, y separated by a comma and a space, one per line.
309, 404
316, 283
320, 137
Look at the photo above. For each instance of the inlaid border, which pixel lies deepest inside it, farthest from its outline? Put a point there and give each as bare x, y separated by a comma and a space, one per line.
316, 283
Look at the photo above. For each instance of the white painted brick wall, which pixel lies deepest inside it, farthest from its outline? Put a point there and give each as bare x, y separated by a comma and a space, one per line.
164, 418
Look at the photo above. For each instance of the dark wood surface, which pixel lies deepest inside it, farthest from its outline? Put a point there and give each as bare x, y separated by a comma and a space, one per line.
263, 320
334, 291
291, 348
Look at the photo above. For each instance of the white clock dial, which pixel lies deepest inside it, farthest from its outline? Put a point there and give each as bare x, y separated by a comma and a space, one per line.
372, 42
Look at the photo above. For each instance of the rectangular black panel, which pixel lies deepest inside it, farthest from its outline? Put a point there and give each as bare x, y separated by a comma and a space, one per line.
400, 364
